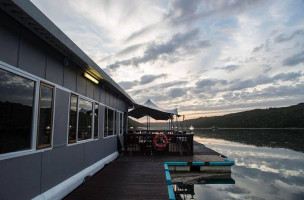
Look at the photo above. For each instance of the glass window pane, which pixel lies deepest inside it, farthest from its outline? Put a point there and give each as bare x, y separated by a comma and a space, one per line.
110, 122
106, 122
85, 120
73, 118
16, 112
121, 123
115, 123
96, 121
45, 116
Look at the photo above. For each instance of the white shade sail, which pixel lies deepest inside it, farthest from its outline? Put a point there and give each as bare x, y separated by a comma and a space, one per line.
152, 110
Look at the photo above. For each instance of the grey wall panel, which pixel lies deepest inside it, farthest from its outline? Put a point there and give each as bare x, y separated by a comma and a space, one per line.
102, 97
70, 75
61, 118
90, 89
20, 177
120, 105
107, 98
32, 56
9, 40
96, 93
81, 82
111, 99
110, 145
94, 151
101, 121
121, 139
54, 67
117, 123
61, 163
123, 106
114, 101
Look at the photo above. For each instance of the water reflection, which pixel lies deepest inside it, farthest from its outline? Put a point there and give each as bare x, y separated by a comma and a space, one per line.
259, 173
282, 138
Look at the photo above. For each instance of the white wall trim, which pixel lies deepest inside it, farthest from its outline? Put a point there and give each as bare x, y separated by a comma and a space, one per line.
67, 186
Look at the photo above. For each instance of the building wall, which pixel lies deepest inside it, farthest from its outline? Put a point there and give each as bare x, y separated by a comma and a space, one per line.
25, 177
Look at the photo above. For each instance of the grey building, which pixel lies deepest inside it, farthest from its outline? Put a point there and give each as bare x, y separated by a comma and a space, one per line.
62, 118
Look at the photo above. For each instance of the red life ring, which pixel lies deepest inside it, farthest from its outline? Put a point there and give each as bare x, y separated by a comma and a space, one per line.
163, 144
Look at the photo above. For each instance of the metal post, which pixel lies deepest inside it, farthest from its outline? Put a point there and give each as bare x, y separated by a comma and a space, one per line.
177, 123
147, 123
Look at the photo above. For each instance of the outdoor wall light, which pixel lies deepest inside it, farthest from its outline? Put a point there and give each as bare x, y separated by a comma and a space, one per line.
91, 78
191, 128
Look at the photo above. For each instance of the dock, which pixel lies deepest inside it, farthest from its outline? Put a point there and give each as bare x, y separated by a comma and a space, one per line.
143, 176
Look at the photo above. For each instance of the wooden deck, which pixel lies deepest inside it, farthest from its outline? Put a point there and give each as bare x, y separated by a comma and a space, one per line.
125, 180
136, 176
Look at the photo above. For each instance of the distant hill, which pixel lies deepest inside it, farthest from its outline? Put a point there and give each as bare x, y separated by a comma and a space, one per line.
285, 117
134, 124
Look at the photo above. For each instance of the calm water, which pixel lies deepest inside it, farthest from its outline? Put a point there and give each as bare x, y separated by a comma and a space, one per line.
269, 164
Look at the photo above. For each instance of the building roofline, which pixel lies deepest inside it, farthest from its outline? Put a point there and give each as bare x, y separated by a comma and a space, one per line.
32, 18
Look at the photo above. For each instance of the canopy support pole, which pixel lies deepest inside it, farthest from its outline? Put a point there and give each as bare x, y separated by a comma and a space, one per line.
147, 123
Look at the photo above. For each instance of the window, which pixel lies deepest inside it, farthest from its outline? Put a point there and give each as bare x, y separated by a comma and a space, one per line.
85, 119
110, 122
73, 118
16, 112
115, 123
45, 119
121, 123
106, 122
96, 120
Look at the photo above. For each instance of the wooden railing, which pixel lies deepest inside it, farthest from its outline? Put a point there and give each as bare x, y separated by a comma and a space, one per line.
142, 144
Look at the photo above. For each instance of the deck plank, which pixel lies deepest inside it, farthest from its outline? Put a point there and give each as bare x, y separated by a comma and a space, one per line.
125, 180
137, 176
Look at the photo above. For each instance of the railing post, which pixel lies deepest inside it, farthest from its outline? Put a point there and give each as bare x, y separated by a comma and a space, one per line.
191, 144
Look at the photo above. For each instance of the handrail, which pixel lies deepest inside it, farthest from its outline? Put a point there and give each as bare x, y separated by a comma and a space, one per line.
142, 144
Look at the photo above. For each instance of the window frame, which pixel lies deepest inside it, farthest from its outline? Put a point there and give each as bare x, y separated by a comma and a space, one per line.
76, 141
92, 120
113, 122
52, 116
23, 74
105, 119
76, 126
121, 121
97, 137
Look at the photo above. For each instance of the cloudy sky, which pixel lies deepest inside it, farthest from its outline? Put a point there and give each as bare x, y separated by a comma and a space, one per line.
204, 57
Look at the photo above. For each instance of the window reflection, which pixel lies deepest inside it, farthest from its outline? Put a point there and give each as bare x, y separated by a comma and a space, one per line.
45, 116
73, 118
110, 122
121, 123
106, 122
115, 123
96, 121
85, 119
16, 112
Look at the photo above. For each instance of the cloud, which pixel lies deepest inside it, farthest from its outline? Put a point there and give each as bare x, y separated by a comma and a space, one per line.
258, 48
294, 59
214, 86
283, 38
186, 41
126, 85
263, 79
150, 78
230, 68
209, 82
177, 92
